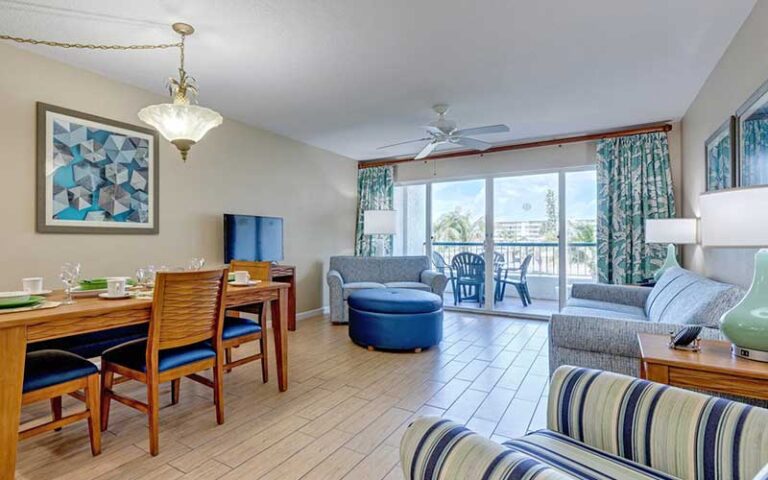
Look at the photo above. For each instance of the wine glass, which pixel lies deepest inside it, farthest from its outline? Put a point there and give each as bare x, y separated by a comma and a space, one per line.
142, 277
195, 264
69, 275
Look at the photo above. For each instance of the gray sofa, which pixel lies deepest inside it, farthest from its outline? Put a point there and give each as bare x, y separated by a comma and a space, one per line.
348, 273
598, 328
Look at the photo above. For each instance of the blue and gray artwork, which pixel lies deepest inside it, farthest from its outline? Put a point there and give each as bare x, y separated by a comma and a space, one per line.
99, 175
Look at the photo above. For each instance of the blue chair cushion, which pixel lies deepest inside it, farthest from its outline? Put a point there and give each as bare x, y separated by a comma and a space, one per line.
395, 300
91, 345
133, 355
237, 327
45, 368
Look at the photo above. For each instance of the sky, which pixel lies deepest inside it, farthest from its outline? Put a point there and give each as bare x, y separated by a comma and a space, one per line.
517, 198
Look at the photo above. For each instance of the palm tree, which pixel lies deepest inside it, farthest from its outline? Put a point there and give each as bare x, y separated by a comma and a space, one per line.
458, 226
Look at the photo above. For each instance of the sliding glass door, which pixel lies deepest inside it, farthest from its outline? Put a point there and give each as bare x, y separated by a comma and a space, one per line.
458, 212
509, 244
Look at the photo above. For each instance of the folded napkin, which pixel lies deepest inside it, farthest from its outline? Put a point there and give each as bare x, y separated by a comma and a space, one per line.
98, 283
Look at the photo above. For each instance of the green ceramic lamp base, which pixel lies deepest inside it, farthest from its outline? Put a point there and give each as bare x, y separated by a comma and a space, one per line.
746, 324
669, 262
750, 353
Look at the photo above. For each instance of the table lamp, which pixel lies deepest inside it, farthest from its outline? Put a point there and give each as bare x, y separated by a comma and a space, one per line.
380, 223
737, 218
672, 231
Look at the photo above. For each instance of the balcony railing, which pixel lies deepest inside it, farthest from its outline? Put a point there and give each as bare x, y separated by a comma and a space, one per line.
581, 256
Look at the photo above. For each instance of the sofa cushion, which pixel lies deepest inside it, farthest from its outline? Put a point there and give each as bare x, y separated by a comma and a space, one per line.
597, 306
380, 269
352, 287
603, 314
580, 460
411, 285
395, 300
683, 297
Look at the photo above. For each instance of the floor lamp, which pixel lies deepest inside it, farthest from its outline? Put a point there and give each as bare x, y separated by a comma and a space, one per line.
380, 223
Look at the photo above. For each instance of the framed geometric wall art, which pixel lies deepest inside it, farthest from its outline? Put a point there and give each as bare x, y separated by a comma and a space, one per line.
95, 175
720, 154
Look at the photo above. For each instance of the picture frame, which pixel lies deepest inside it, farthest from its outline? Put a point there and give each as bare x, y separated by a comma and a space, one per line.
720, 157
95, 175
752, 134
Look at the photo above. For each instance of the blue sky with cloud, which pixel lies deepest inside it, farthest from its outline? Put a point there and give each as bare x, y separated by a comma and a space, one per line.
517, 198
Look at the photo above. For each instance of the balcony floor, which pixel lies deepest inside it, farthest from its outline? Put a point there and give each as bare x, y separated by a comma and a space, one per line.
510, 304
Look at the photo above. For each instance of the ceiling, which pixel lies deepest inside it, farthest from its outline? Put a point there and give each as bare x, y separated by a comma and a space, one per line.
352, 75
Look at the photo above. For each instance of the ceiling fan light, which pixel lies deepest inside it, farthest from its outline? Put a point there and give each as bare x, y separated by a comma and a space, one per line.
183, 125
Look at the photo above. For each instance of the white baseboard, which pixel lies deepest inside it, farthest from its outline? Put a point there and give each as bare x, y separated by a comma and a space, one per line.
313, 313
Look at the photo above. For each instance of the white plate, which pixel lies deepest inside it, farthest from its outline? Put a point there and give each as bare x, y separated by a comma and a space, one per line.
110, 297
242, 284
16, 294
41, 292
79, 291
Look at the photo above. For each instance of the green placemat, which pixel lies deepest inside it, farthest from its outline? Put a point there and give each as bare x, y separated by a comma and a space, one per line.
28, 302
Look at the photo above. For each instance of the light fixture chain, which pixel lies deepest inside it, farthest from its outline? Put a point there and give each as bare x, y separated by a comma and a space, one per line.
92, 46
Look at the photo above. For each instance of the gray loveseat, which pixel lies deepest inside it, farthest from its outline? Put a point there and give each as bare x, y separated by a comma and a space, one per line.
598, 328
348, 273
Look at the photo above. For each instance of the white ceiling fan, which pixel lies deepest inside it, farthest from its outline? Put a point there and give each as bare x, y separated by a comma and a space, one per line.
444, 131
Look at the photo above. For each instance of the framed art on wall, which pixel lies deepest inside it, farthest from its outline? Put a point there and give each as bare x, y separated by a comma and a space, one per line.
720, 155
95, 175
753, 139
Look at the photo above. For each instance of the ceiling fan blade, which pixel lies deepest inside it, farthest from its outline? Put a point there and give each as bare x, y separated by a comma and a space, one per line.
429, 148
472, 143
482, 130
435, 131
405, 143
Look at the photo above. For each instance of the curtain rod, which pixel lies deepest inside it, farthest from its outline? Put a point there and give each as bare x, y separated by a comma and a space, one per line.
664, 127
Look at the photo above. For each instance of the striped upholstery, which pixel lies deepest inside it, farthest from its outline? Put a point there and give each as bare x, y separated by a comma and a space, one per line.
603, 426
435, 449
682, 433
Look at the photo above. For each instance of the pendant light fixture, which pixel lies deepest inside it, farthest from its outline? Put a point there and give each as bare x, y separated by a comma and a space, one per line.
181, 122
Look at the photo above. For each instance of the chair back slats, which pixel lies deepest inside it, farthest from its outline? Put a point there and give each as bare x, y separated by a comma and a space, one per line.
187, 308
524, 267
469, 266
257, 270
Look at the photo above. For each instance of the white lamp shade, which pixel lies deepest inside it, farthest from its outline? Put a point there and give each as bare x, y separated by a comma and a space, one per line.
379, 222
671, 230
735, 218
180, 122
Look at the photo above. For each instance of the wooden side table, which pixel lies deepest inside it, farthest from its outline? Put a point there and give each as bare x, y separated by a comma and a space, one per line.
713, 368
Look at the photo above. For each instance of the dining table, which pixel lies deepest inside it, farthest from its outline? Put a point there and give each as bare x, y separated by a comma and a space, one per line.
91, 314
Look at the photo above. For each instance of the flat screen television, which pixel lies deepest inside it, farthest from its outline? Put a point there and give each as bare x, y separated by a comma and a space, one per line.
252, 238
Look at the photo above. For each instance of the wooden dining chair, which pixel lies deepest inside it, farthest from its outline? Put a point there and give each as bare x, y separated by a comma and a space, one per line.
239, 329
184, 338
50, 374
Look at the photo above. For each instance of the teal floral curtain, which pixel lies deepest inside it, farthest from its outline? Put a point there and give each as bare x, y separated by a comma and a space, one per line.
634, 182
375, 191
754, 163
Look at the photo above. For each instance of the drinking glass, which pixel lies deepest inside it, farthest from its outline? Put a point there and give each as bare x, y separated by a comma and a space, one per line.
69, 275
142, 277
195, 264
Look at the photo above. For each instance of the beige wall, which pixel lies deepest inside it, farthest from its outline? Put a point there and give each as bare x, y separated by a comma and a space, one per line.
741, 70
235, 169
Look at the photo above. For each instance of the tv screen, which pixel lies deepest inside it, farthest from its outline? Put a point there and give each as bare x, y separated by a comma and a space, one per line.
251, 238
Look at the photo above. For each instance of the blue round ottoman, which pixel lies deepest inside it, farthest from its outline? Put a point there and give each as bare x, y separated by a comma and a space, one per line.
395, 318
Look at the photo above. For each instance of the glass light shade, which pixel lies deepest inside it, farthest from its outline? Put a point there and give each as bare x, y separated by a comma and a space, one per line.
746, 324
182, 125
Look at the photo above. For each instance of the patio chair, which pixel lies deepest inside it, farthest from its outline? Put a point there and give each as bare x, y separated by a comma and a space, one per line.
442, 267
470, 277
520, 284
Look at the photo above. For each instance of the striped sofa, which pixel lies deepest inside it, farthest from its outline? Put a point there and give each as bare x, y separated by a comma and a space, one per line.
602, 425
